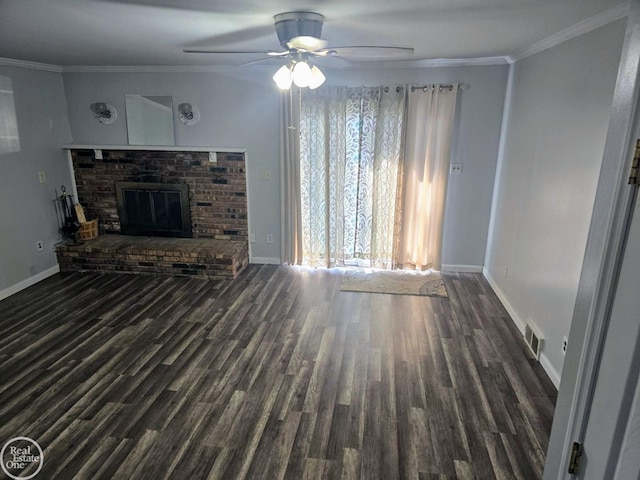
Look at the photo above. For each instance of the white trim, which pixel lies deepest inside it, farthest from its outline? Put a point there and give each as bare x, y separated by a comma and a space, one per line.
458, 62
580, 28
74, 186
265, 260
427, 63
7, 292
148, 68
462, 268
47, 67
431, 63
164, 148
145, 68
552, 373
248, 197
503, 299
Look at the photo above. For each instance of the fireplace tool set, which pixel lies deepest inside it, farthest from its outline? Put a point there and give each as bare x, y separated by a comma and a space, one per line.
68, 221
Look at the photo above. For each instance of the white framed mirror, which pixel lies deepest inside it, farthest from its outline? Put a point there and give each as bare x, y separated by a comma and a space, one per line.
150, 119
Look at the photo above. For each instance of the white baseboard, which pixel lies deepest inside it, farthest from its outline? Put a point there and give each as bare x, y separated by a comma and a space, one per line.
503, 299
265, 260
553, 374
7, 292
462, 268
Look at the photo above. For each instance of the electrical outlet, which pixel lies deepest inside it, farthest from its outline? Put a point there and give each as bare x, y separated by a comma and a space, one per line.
266, 175
564, 345
42, 177
269, 237
456, 168
252, 237
39, 246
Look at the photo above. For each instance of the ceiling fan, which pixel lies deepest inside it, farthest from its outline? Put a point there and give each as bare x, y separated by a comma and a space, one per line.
299, 33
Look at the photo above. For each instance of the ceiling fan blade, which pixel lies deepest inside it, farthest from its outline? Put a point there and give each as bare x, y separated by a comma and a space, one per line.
237, 38
329, 61
307, 43
366, 51
238, 52
193, 5
262, 60
277, 54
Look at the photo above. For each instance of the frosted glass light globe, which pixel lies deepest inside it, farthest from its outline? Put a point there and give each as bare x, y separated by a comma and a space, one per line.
283, 77
301, 74
317, 78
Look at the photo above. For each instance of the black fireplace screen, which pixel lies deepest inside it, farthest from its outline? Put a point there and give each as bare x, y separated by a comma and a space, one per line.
156, 209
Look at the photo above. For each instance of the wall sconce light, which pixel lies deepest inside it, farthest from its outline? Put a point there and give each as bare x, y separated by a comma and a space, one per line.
104, 112
189, 115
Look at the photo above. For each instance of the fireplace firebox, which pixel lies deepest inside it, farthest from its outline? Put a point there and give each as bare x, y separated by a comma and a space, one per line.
154, 209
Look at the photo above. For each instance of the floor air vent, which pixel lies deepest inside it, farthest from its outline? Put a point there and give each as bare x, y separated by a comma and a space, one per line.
533, 340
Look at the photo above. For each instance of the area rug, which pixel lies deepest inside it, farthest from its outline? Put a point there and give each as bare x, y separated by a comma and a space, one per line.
395, 283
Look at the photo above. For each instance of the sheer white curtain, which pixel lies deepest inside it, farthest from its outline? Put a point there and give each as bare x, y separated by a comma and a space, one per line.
290, 208
350, 165
430, 115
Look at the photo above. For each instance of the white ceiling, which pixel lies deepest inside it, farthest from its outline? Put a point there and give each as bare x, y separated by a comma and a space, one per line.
154, 32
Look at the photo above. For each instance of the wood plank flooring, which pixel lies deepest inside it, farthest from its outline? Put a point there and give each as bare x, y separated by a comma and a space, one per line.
275, 375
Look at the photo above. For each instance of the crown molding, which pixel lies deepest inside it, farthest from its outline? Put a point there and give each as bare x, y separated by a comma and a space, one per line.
146, 69
597, 21
448, 62
47, 67
430, 63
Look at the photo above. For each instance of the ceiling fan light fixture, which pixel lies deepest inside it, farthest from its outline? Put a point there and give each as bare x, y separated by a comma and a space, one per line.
317, 78
283, 77
302, 74
295, 24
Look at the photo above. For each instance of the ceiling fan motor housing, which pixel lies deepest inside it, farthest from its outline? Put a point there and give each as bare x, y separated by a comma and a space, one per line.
298, 24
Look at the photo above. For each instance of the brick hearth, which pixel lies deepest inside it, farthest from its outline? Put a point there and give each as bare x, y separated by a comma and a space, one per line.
193, 257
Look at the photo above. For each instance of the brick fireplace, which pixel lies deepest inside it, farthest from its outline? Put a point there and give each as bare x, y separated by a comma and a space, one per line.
215, 185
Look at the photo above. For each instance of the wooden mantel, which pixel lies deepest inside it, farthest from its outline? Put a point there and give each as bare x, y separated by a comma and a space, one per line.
164, 148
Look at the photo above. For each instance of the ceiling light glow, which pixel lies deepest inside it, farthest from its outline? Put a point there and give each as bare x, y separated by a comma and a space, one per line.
283, 77
299, 73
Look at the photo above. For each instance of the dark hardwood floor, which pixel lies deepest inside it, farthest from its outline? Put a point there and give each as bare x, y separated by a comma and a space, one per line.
275, 375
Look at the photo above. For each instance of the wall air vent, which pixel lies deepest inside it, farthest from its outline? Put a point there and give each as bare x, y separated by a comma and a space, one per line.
534, 341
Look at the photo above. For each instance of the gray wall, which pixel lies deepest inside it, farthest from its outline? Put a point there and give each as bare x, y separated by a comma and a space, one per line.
242, 110
27, 213
545, 185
